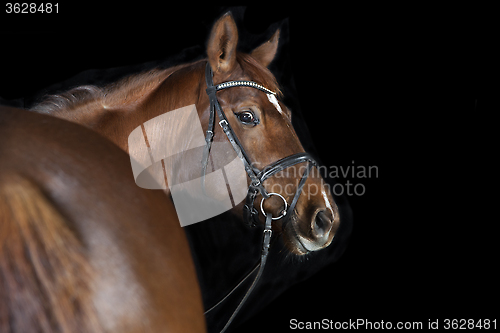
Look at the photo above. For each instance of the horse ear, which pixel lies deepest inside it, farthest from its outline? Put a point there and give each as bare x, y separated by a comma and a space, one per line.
267, 51
222, 44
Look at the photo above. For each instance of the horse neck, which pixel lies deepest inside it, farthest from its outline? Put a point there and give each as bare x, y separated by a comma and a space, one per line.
177, 87
166, 123
180, 89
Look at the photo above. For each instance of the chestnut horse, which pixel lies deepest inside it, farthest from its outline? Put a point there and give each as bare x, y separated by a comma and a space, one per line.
82, 247
116, 110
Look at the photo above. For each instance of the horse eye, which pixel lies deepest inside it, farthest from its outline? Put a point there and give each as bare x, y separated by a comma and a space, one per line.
247, 117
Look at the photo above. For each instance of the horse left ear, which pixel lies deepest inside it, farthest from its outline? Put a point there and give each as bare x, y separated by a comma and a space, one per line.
267, 51
222, 44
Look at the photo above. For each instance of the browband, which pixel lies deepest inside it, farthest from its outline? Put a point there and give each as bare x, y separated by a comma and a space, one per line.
251, 84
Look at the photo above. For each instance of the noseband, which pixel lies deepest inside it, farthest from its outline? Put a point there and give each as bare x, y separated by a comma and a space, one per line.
257, 177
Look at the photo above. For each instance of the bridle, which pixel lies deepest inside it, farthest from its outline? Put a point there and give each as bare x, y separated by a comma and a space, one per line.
257, 177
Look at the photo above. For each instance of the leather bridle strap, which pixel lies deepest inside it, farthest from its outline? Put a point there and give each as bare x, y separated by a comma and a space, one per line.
284, 163
257, 177
302, 182
250, 214
228, 131
263, 259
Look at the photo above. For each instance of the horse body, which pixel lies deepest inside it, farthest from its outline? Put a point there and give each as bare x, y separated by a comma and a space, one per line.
82, 248
116, 110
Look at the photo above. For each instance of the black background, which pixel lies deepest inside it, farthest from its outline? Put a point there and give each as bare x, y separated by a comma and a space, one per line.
398, 87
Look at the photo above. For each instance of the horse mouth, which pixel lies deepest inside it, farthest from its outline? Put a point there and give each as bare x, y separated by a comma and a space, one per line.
293, 240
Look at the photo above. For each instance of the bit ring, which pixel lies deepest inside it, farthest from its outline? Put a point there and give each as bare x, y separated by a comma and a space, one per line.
284, 210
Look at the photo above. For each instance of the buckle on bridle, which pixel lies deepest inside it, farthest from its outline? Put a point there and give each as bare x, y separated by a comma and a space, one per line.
255, 183
209, 136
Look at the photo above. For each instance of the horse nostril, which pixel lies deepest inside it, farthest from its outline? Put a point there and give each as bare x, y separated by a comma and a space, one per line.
321, 225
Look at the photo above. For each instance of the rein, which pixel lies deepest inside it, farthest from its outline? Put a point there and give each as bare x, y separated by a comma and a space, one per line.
257, 177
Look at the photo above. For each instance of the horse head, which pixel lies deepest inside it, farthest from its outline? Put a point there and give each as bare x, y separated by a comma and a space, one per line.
264, 129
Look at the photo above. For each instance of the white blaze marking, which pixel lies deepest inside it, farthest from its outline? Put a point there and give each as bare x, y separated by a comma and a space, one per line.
273, 100
327, 202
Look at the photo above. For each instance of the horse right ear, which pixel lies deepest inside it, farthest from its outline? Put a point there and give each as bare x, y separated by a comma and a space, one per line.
267, 51
222, 44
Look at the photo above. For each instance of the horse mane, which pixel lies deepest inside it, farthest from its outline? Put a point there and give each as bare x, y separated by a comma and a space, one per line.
69, 99
44, 275
123, 92
132, 88
258, 73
